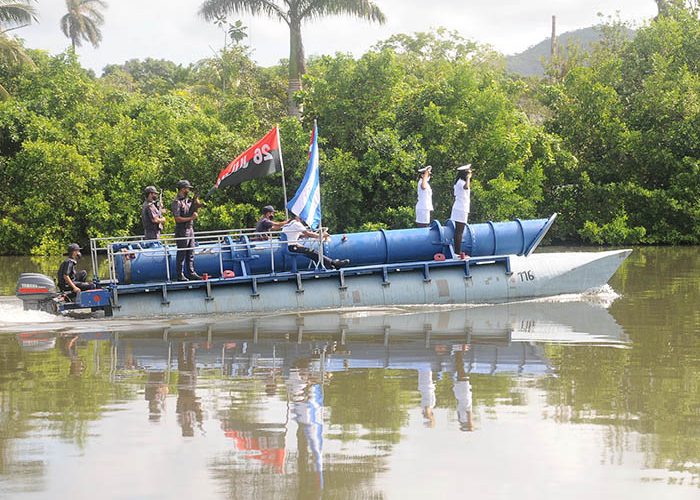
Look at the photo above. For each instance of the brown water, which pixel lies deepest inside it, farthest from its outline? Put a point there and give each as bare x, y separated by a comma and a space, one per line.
567, 398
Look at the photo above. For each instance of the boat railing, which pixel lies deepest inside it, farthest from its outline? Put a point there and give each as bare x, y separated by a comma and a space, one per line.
226, 240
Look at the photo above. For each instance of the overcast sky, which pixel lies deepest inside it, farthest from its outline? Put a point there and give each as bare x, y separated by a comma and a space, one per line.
171, 29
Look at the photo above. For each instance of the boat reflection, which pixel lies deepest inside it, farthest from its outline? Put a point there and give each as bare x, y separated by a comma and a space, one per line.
296, 357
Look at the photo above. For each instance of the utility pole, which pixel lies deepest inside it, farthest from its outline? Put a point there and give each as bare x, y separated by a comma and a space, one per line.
553, 44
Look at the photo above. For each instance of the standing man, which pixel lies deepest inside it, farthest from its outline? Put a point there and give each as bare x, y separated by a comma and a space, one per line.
70, 280
461, 206
424, 206
266, 224
152, 214
185, 212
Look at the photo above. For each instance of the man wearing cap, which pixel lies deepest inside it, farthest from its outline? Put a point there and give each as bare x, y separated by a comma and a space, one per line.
266, 224
70, 280
184, 212
294, 230
151, 214
425, 197
461, 206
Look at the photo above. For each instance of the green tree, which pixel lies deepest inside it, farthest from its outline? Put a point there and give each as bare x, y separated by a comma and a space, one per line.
83, 21
629, 117
14, 14
294, 13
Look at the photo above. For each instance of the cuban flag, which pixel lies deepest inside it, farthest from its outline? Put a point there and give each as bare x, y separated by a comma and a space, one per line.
307, 200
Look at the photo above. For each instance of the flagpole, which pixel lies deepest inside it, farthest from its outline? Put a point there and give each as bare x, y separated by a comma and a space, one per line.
320, 219
284, 182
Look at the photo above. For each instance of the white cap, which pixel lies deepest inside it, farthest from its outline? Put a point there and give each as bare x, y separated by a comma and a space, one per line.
468, 166
429, 168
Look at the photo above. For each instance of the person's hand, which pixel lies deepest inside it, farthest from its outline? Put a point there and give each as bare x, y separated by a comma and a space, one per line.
76, 289
195, 216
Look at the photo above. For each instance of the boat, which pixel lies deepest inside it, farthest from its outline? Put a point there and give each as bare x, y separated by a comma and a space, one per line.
247, 272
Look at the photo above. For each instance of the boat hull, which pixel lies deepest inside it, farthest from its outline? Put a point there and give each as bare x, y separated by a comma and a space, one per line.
486, 280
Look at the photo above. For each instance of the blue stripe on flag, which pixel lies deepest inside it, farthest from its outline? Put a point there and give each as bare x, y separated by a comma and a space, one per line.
307, 200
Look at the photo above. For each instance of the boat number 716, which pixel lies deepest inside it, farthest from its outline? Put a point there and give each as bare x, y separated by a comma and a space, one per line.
526, 275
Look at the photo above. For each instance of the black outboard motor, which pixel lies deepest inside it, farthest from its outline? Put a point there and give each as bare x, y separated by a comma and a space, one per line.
37, 292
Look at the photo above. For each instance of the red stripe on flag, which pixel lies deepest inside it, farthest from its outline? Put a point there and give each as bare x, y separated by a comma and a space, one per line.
257, 153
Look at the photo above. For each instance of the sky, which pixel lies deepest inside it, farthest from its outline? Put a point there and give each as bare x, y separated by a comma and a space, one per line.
171, 29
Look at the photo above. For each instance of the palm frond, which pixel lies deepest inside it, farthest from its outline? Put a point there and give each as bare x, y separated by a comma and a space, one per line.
83, 21
4, 94
211, 9
12, 52
363, 9
17, 12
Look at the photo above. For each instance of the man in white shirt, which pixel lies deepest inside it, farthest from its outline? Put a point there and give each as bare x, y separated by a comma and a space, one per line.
294, 230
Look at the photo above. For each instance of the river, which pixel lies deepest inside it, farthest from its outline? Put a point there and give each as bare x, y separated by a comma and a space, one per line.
578, 397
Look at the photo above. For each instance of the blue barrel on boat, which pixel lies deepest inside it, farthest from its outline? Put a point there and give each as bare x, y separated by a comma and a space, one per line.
242, 256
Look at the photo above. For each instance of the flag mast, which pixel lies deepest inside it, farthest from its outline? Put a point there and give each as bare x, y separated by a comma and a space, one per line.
284, 182
320, 216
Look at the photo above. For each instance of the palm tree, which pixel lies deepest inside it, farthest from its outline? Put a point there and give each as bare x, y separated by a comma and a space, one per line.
293, 13
14, 14
83, 21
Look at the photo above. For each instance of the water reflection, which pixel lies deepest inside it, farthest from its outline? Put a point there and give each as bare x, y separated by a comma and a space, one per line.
318, 400
584, 400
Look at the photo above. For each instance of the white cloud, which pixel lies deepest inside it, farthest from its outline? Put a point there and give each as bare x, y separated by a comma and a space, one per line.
171, 29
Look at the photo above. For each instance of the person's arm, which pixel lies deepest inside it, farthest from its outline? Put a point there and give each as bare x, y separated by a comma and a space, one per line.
276, 226
70, 283
424, 180
156, 218
468, 182
177, 214
186, 219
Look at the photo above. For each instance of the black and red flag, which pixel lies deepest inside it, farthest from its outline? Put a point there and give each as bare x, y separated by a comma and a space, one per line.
261, 159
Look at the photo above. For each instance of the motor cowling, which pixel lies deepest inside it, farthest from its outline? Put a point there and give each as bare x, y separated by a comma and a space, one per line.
35, 290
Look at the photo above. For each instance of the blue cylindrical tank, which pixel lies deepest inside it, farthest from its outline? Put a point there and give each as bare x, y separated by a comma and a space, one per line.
369, 248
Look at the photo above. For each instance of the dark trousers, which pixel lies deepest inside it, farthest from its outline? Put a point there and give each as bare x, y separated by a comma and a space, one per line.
311, 254
185, 253
459, 232
80, 281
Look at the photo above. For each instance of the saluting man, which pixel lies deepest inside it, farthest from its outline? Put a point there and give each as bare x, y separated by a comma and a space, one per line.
185, 213
152, 214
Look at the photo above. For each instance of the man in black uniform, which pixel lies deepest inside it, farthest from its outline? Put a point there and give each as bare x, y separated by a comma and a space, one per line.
70, 280
185, 212
151, 214
266, 224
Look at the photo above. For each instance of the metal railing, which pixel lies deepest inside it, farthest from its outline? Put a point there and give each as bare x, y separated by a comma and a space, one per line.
221, 241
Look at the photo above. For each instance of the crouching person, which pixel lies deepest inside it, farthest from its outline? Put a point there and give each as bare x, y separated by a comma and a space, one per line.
294, 230
69, 279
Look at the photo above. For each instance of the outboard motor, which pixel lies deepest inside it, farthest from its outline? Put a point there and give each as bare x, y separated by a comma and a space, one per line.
37, 292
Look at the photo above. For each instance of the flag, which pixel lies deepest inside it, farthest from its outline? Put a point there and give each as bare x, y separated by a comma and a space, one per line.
261, 159
307, 200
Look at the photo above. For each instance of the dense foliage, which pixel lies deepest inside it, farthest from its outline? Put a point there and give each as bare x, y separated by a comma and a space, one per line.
609, 140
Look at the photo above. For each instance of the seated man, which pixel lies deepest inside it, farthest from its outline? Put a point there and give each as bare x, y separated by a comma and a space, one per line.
296, 229
70, 280
266, 224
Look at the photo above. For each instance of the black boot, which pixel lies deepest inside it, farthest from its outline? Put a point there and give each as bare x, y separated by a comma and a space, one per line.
194, 276
182, 277
338, 263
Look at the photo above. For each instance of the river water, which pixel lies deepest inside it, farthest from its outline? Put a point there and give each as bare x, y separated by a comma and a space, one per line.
591, 396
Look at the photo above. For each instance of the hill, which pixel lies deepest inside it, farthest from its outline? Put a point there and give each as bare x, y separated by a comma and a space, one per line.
530, 61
